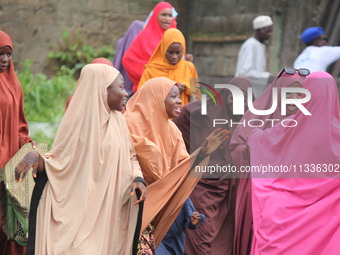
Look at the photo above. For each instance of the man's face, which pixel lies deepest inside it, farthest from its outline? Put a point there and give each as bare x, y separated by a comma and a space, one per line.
265, 33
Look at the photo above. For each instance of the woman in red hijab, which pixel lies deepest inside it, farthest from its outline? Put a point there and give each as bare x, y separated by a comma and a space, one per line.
13, 128
146, 42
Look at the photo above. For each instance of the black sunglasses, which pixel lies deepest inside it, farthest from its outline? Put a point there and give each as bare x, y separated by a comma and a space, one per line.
291, 70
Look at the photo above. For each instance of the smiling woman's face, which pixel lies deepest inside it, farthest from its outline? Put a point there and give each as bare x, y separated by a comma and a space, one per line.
173, 102
116, 94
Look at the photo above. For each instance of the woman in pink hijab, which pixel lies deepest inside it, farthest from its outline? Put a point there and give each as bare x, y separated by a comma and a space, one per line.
142, 47
300, 214
240, 156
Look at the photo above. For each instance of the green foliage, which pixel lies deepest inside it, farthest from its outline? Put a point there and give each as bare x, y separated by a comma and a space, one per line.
41, 137
45, 97
73, 53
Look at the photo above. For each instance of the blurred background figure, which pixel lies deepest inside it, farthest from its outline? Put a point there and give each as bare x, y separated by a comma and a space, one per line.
252, 58
317, 56
142, 47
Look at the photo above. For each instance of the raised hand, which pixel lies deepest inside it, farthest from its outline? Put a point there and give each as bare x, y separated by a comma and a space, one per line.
214, 140
31, 160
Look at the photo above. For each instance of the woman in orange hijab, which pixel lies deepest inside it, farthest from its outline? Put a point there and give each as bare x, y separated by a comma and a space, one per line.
167, 60
161, 152
13, 129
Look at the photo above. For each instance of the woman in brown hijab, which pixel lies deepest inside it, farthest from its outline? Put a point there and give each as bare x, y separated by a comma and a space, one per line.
161, 152
215, 194
13, 130
87, 205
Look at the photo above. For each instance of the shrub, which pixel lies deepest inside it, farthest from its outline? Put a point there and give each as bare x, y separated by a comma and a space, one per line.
45, 97
73, 53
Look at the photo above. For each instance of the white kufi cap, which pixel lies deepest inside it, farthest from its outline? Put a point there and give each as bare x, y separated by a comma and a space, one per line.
262, 21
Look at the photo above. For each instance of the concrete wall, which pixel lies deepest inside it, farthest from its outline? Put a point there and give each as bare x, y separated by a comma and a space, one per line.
215, 29
35, 26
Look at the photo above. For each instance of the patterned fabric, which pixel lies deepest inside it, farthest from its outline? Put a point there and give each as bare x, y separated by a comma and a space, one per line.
147, 244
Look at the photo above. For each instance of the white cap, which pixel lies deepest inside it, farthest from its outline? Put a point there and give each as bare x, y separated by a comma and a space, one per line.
262, 21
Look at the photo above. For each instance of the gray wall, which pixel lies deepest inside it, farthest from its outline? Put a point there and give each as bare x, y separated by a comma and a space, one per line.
214, 29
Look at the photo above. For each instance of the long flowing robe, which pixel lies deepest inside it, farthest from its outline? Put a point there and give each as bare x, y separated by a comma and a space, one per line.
252, 63
162, 155
298, 212
86, 207
214, 195
243, 212
13, 130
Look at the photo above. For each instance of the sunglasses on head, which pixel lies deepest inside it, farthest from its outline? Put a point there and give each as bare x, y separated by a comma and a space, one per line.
291, 70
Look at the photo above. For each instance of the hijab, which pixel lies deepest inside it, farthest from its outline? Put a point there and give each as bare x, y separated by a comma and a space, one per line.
158, 64
303, 203
13, 125
162, 155
239, 139
90, 170
144, 44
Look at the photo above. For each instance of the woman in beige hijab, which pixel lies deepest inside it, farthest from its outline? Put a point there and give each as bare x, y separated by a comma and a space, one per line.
87, 205
162, 155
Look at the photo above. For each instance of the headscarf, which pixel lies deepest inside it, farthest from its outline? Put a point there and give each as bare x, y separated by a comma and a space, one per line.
13, 125
306, 207
144, 45
158, 64
161, 153
238, 144
239, 139
94, 61
102, 61
90, 169
122, 46
150, 127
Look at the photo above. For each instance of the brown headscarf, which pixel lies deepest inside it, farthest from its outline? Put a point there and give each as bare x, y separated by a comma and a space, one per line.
161, 153
13, 125
86, 207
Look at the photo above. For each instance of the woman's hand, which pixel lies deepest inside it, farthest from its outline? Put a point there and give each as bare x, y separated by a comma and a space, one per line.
31, 160
141, 188
189, 57
181, 87
213, 141
34, 144
195, 218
